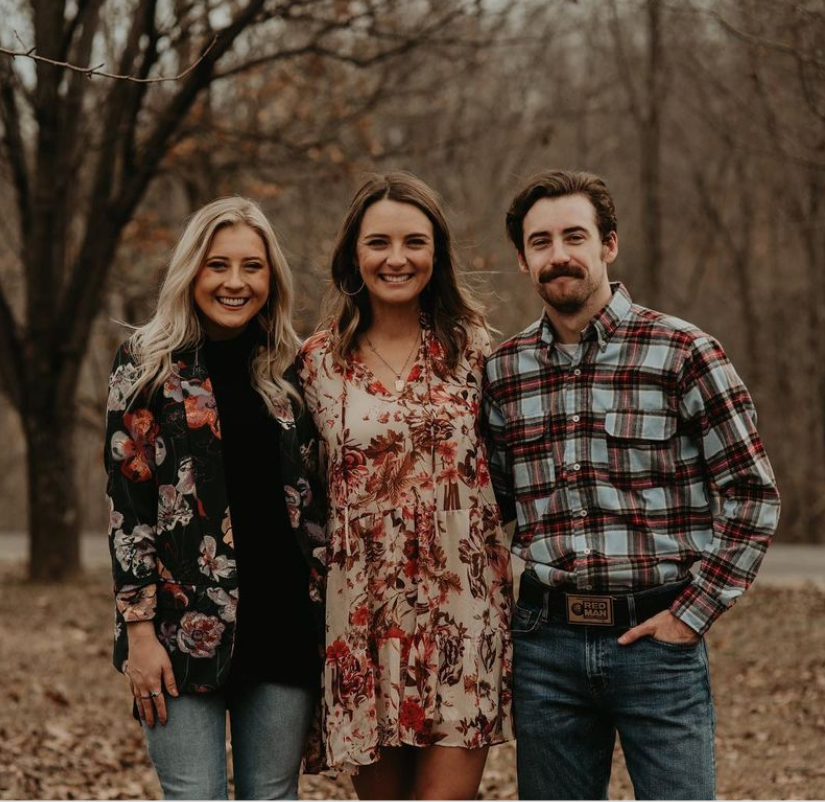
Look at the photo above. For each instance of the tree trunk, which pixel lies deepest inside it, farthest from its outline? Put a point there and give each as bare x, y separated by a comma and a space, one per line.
54, 522
814, 243
651, 157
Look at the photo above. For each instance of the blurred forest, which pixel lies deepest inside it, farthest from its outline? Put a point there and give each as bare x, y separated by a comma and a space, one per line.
707, 118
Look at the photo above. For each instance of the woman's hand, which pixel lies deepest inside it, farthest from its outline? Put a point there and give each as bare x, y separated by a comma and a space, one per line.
149, 671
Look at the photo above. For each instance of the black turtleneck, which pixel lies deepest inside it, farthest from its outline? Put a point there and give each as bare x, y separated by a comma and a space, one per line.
275, 635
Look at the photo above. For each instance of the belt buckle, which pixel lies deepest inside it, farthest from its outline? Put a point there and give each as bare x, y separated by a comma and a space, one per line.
590, 610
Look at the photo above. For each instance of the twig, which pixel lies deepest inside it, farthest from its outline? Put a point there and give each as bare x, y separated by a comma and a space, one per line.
771, 44
90, 72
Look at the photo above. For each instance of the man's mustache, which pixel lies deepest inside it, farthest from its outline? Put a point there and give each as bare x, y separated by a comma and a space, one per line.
560, 272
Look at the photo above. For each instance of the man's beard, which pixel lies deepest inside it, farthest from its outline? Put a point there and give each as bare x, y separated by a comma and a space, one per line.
567, 304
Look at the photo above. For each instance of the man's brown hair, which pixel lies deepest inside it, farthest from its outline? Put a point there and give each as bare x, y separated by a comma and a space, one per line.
557, 184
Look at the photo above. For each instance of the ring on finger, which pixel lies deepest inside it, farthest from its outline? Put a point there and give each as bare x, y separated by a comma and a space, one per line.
154, 694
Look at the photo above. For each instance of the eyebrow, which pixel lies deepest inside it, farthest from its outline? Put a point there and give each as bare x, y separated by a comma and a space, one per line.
245, 259
406, 236
569, 230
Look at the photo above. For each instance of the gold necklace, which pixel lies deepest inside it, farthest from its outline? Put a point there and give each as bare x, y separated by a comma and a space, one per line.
399, 382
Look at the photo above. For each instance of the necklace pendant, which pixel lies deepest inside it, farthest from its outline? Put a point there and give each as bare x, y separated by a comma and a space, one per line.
399, 385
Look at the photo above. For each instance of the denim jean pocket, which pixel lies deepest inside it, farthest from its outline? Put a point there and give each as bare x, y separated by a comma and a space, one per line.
525, 619
677, 647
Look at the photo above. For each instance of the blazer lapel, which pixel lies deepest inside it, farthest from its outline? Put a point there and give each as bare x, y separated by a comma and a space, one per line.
203, 428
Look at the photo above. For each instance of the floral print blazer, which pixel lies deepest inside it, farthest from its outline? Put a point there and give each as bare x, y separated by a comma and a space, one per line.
170, 530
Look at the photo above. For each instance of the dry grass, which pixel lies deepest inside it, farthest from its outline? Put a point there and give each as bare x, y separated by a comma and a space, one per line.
66, 731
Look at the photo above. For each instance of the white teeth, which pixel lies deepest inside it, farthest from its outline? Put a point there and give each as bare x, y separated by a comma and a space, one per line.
233, 301
396, 279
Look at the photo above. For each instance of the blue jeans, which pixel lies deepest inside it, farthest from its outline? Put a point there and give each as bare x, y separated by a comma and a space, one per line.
269, 725
575, 687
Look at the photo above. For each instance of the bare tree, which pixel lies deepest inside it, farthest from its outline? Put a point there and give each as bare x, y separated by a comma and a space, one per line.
80, 155
646, 99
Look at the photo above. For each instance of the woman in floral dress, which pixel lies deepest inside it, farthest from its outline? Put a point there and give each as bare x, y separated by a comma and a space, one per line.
216, 523
418, 658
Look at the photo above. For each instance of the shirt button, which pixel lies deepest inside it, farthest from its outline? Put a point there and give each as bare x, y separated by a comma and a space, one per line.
576, 418
588, 587
577, 467
577, 372
588, 551
583, 513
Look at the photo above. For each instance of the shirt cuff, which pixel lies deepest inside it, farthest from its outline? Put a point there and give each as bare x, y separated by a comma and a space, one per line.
697, 608
137, 602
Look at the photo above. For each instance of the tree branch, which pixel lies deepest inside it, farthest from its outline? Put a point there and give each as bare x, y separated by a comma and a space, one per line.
137, 90
73, 104
71, 26
808, 89
91, 72
767, 121
314, 47
770, 44
82, 294
15, 148
623, 66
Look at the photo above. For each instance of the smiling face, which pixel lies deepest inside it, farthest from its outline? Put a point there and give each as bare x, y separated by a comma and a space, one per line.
395, 252
232, 285
565, 257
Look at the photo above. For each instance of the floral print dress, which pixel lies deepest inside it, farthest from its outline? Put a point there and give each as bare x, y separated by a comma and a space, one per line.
419, 584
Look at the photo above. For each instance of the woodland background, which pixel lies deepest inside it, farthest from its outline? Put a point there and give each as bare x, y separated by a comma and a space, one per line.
706, 118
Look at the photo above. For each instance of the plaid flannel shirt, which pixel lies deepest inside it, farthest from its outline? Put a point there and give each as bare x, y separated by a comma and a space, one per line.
631, 462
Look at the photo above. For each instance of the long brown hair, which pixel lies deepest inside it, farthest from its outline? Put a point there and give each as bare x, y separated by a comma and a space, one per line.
451, 308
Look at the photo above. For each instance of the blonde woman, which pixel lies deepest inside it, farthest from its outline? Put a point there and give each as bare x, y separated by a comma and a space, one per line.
418, 662
215, 526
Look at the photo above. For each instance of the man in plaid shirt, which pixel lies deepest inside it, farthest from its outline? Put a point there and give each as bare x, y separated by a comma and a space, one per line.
624, 445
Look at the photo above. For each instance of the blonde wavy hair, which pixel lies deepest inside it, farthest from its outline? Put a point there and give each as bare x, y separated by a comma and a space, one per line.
176, 326
449, 305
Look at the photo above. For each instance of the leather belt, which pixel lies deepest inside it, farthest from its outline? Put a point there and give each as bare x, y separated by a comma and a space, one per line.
599, 609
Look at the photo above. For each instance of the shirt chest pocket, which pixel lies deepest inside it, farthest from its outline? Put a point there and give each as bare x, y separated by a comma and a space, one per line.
640, 447
534, 470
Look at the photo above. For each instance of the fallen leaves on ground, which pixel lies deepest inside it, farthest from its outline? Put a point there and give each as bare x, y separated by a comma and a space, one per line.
66, 730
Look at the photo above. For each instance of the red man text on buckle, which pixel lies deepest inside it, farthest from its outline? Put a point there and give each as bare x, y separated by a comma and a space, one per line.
592, 610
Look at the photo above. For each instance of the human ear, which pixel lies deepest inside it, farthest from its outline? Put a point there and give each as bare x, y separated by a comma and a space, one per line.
611, 247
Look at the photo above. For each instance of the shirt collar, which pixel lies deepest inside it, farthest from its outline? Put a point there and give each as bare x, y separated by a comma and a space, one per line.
603, 325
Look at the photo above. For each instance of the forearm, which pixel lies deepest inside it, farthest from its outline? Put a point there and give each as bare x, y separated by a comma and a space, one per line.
742, 533
716, 405
139, 632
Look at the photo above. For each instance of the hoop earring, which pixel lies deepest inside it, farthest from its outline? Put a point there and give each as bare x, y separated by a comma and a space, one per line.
352, 294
